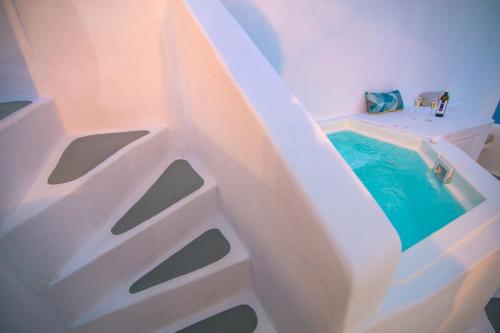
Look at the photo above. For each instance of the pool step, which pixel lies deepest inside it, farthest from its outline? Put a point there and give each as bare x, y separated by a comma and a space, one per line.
108, 260
161, 304
54, 222
85, 153
240, 313
175, 183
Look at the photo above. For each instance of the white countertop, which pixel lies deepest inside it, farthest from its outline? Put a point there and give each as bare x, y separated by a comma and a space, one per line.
423, 124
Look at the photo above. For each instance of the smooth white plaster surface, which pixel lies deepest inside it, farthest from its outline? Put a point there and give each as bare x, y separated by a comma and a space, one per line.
490, 156
20, 311
466, 131
291, 197
27, 138
102, 62
331, 52
317, 264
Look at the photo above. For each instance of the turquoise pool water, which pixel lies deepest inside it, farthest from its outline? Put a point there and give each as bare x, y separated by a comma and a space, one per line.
414, 201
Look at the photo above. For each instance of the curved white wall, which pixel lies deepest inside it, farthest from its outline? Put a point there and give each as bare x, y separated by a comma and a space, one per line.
322, 250
102, 62
331, 52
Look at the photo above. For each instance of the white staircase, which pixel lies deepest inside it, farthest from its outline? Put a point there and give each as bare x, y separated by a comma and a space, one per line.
162, 304
57, 220
58, 242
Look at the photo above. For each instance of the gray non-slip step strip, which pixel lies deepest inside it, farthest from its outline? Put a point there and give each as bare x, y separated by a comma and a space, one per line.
240, 319
492, 310
7, 108
176, 182
206, 249
85, 153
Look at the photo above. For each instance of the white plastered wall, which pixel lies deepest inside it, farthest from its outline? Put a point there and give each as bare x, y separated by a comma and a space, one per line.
331, 52
291, 197
102, 62
490, 156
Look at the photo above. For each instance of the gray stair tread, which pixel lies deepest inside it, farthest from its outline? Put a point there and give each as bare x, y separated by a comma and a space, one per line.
493, 313
202, 251
7, 108
240, 319
85, 153
176, 182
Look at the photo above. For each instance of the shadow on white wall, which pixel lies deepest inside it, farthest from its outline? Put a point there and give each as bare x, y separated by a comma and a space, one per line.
334, 51
15, 77
259, 29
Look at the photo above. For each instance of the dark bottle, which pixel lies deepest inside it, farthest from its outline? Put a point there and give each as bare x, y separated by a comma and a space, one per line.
443, 102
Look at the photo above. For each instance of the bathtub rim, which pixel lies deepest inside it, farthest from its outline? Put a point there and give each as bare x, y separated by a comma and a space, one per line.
428, 252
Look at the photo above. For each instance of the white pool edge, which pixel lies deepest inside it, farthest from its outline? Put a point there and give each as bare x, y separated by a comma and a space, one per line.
430, 267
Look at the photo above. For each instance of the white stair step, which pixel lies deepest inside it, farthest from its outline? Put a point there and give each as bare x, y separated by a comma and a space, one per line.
111, 259
10, 107
27, 139
87, 152
264, 325
177, 181
53, 222
167, 302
